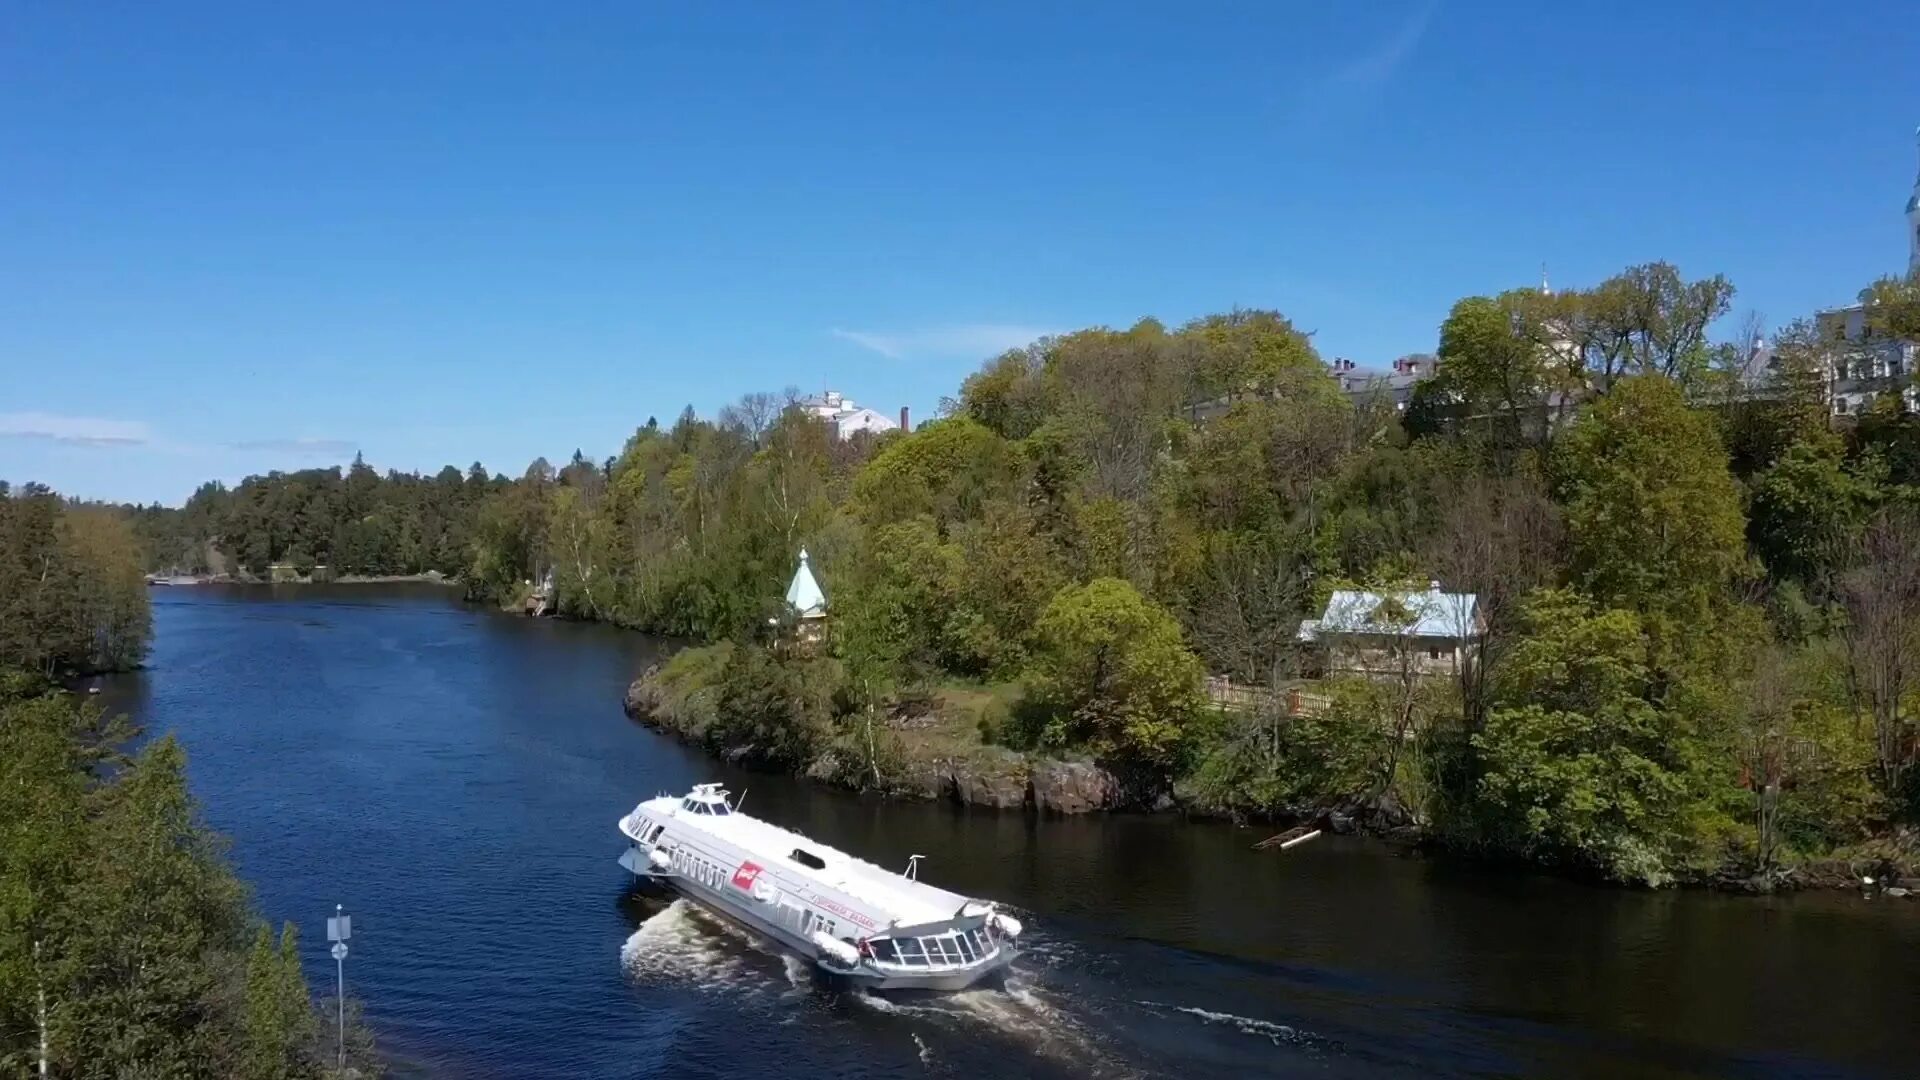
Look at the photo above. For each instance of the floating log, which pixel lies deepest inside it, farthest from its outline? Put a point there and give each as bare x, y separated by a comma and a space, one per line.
1299, 834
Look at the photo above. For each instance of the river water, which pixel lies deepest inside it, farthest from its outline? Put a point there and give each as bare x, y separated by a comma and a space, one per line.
453, 777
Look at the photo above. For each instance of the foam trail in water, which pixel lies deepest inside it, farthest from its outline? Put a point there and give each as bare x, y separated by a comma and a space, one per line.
1019, 1012
799, 972
679, 945
1277, 1034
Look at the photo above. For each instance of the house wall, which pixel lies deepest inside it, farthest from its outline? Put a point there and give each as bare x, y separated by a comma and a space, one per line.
1382, 657
847, 424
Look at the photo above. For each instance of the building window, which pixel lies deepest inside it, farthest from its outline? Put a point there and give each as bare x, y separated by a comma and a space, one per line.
1433, 653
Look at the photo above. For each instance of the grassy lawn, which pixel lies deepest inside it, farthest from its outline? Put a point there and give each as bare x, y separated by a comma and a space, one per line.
952, 727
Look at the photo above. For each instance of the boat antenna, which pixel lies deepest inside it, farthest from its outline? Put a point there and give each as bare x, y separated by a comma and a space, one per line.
741, 798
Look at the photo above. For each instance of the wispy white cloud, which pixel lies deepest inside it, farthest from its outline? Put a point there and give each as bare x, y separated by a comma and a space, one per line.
309, 447
964, 339
1378, 64
74, 430
1362, 77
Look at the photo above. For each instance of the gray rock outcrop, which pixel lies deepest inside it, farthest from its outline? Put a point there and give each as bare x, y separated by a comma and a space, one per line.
1072, 787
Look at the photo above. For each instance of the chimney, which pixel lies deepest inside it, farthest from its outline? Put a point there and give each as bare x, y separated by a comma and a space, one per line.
904, 424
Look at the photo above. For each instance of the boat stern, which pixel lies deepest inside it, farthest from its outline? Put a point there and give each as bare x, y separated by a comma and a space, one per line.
950, 955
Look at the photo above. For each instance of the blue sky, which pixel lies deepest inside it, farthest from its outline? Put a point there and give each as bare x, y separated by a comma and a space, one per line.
241, 238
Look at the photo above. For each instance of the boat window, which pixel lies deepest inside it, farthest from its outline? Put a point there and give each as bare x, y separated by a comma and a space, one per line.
966, 948
808, 858
884, 951
980, 942
687, 805
721, 810
911, 952
936, 950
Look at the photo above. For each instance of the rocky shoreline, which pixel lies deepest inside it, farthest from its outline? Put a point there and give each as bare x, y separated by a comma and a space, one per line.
986, 776
998, 778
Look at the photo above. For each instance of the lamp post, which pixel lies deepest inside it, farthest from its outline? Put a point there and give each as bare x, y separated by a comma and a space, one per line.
339, 929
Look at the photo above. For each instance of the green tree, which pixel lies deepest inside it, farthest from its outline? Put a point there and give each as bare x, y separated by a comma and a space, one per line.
948, 469
1112, 674
1645, 320
42, 836
1808, 506
72, 594
152, 908
1578, 761
775, 708
1653, 517
277, 1017
1490, 354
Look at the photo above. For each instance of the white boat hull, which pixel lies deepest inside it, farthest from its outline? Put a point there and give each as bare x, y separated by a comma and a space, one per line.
853, 920
744, 915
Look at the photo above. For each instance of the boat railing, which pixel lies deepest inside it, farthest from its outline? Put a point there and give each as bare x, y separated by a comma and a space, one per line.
935, 952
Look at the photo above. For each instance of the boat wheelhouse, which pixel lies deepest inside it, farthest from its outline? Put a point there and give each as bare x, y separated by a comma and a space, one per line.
856, 920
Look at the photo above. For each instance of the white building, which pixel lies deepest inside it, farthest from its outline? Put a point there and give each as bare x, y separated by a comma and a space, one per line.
848, 417
1382, 635
1362, 385
1869, 367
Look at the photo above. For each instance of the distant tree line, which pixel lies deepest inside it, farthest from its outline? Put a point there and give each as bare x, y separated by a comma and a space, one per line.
356, 522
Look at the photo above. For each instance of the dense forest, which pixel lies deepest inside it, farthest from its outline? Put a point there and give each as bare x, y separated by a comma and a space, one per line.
127, 946
72, 594
1702, 591
356, 522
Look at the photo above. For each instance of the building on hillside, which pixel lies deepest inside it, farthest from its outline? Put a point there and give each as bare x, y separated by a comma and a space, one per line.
849, 418
807, 605
1382, 635
1867, 366
1394, 386
1362, 386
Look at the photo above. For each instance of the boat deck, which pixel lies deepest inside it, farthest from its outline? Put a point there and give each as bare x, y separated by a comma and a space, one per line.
906, 902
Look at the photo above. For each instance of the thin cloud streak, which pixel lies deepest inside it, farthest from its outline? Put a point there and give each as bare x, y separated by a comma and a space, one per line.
966, 339
1353, 84
1378, 66
74, 430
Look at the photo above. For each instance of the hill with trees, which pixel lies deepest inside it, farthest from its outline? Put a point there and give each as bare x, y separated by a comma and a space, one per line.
1702, 593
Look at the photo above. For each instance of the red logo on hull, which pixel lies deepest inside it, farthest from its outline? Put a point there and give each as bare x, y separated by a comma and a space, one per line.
745, 876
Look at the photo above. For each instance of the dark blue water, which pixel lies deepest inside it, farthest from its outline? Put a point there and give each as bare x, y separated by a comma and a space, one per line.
453, 777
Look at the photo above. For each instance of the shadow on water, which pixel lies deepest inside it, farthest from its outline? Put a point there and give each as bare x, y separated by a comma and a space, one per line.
453, 776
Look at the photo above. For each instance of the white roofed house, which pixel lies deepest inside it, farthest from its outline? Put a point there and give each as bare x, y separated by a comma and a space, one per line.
1387, 633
